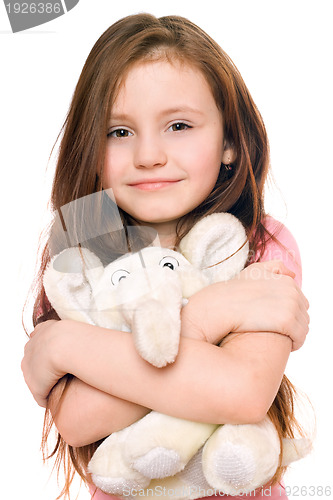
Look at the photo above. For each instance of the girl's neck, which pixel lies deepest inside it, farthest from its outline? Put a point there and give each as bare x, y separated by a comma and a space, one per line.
166, 233
167, 241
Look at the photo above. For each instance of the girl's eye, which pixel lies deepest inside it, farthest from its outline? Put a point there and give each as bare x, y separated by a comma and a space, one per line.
119, 275
119, 132
169, 262
178, 127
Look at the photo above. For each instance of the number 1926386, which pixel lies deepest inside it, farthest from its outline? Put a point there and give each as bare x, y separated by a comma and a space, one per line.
306, 491
34, 8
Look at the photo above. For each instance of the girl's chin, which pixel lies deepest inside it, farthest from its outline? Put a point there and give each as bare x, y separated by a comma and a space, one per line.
160, 225
155, 219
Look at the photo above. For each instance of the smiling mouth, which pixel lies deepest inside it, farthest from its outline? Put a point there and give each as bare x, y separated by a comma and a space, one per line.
153, 185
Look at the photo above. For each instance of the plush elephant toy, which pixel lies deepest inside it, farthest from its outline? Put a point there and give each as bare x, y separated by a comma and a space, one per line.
143, 292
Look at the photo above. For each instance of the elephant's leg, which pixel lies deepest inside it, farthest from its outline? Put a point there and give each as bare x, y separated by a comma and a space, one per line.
110, 471
240, 458
160, 446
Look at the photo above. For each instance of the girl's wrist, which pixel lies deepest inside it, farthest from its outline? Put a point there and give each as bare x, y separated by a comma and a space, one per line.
64, 345
207, 315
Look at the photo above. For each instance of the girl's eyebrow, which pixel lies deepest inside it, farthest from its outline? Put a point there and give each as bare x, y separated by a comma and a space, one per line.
118, 117
181, 109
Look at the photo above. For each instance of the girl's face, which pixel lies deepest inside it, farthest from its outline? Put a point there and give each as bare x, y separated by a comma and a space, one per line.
165, 143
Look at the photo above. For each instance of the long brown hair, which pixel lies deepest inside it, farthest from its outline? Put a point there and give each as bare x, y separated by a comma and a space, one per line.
132, 40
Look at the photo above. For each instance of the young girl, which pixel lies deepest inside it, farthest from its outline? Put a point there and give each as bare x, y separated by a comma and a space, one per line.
161, 115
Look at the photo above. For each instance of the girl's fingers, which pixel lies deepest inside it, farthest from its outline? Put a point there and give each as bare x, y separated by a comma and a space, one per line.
299, 336
278, 267
266, 269
33, 333
297, 322
303, 298
300, 328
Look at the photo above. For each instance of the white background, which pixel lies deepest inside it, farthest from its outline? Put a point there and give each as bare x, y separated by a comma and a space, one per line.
284, 52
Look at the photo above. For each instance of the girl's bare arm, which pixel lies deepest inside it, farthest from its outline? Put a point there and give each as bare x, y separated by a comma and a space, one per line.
84, 414
235, 383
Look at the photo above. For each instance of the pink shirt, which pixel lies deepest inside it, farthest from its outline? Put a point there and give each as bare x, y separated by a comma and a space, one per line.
289, 254
287, 251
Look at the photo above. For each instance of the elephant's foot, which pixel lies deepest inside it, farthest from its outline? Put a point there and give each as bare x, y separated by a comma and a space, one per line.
238, 459
232, 467
158, 463
109, 469
117, 486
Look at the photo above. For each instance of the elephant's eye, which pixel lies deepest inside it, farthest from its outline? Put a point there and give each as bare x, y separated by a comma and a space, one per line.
169, 262
119, 275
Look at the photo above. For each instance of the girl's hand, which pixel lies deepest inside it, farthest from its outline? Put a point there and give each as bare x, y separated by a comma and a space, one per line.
39, 362
262, 298
283, 305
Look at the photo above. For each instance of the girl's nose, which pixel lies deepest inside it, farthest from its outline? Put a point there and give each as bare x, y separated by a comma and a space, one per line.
149, 153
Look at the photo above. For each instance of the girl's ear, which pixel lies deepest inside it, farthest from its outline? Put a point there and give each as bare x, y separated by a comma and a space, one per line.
229, 154
217, 245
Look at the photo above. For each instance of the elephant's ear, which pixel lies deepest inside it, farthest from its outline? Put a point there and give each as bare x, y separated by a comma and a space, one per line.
68, 282
217, 245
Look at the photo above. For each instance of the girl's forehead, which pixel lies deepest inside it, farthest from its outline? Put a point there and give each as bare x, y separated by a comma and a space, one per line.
174, 76
156, 65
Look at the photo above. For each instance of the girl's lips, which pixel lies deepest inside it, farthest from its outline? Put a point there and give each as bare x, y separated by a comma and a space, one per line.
153, 185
